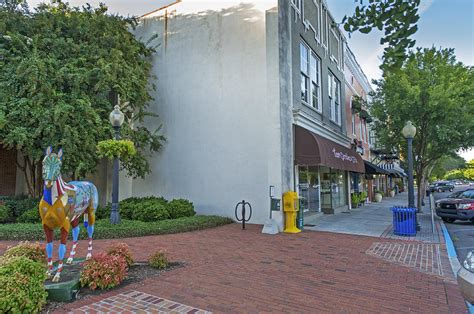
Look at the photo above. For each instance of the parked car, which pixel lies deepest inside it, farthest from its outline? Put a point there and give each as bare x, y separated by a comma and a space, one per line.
441, 187
466, 278
459, 205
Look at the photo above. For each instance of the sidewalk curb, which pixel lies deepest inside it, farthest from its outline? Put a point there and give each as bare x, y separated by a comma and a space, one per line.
453, 259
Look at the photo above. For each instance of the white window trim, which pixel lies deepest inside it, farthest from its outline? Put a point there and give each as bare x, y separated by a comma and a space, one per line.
332, 94
309, 103
317, 33
360, 128
335, 59
353, 124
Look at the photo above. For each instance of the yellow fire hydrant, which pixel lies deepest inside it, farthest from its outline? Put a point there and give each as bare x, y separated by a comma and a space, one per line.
290, 207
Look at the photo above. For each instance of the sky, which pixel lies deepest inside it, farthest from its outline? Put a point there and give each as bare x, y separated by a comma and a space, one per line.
443, 23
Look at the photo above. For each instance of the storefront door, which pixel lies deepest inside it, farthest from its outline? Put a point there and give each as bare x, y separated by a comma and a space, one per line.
308, 189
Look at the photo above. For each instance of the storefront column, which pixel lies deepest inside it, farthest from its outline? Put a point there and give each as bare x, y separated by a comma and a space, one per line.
349, 203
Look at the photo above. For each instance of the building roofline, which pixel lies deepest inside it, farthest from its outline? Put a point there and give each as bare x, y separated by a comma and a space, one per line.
162, 8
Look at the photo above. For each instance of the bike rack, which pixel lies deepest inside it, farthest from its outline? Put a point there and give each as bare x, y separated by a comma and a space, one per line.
243, 204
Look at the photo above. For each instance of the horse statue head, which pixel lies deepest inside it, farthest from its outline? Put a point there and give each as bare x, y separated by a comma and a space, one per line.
52, 166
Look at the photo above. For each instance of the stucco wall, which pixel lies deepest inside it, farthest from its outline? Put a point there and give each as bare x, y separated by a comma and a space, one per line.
217, 97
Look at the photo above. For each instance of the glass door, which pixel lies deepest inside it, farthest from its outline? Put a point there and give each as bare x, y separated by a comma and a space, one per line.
309, 189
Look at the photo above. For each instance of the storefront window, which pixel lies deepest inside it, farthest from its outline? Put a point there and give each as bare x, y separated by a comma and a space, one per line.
308, 188
338, 188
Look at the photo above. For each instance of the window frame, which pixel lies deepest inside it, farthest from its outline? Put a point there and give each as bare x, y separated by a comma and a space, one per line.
311, 77
333, 84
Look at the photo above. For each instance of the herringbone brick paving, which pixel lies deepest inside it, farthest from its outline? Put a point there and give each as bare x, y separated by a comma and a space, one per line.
231, 270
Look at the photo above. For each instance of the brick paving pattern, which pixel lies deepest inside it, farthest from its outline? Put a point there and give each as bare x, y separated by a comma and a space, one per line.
232, 270
423, 257
136, 302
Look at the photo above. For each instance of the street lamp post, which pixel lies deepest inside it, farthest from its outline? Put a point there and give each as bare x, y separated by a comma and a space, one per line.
116, 118
409, 131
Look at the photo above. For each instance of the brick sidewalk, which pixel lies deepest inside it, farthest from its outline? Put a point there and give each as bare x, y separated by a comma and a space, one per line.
230, 270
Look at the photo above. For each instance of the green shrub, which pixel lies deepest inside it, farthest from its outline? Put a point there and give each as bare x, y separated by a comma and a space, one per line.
150, 211
32, 251
19, 204
122, 249
104, 271
126, 229
158, 260
178, 208
5, 215
31, 216
102, 212
128, 207
22, 282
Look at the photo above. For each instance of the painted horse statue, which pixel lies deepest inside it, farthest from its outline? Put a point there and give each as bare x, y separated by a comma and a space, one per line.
61, 207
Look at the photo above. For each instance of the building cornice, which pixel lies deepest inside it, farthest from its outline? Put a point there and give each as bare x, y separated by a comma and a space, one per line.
304, 120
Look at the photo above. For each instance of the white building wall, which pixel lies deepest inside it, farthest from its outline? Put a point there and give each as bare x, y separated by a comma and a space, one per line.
218, 99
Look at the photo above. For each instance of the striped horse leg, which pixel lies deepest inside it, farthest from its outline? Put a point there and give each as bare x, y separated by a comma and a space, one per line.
89, 220
61, 253
49, 249
75, 236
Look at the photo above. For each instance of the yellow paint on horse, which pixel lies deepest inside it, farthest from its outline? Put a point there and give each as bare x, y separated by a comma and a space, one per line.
55, 216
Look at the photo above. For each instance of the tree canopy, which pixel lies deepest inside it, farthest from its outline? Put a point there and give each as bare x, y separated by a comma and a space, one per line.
436, 93
59, 68
396, 18
446, 164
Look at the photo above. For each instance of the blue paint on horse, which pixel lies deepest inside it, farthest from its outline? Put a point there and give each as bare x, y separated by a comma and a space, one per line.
90, 231
49, 249
47, 196
61, 251
75, 233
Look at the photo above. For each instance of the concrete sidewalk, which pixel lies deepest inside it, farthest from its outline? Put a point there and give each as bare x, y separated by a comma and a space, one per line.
375, 220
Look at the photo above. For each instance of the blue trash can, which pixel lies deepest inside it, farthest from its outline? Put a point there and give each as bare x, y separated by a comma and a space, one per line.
404, 221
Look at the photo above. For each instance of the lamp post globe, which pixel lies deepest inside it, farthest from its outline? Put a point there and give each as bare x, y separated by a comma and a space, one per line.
409, 132
116, 118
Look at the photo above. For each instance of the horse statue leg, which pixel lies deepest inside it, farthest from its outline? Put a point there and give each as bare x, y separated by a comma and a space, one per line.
89, 220
49, 249
75, 236
62, 249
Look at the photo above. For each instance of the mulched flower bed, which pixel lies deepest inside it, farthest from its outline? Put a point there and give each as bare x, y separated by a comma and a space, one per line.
136, 273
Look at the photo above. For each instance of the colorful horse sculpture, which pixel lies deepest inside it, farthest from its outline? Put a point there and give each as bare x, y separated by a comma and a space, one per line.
61, 207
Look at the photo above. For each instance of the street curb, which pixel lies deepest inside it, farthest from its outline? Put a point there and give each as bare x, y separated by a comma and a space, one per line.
453, 259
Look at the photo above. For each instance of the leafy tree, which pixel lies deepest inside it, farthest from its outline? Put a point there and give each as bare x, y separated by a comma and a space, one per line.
454, 174
60, 67
437, 94
446, 164
397, 18
469, 171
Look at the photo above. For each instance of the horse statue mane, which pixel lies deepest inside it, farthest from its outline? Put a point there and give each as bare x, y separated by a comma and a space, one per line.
61, 207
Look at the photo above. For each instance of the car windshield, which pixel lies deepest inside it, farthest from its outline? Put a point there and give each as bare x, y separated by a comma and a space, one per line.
455, 194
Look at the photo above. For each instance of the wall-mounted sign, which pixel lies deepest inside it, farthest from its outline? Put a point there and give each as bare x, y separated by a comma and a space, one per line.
344, 156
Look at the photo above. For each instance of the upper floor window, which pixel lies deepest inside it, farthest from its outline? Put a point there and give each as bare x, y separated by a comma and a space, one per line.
364, 130
310, 67
353, 124
334, 46
334, 92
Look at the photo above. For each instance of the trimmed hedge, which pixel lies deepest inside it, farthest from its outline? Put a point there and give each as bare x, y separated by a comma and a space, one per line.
126, 229
150, 208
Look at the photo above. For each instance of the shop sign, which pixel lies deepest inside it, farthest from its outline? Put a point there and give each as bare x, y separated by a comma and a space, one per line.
343, 156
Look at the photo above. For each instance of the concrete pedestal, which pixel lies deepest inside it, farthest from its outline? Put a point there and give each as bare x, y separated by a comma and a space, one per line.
66, 289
